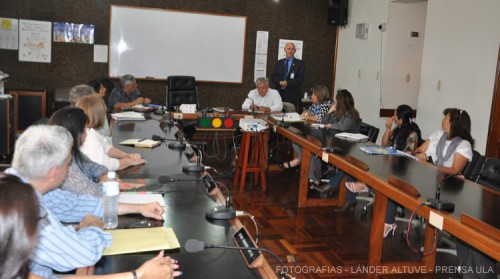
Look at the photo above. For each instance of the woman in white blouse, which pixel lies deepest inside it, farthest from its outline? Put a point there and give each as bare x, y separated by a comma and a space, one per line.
95, 146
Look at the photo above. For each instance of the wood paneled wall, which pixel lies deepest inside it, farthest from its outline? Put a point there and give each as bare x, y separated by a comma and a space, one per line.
73, 63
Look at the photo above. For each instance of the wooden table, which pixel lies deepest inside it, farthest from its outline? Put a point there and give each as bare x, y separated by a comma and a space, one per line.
475, 219
187, 203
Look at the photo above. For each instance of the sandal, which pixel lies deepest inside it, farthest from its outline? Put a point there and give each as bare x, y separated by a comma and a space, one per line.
314, 184
356, 187
287, 166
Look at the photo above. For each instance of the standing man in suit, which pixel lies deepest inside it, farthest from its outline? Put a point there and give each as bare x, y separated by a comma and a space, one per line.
288, 76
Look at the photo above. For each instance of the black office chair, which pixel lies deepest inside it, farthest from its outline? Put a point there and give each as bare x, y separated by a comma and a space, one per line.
490, 173
181, 90
370, 131
473, 168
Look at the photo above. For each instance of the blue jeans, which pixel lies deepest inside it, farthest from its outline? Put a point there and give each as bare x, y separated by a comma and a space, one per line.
314, 164
335, 184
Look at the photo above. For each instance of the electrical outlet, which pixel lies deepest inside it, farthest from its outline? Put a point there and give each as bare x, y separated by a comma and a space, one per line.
177, 115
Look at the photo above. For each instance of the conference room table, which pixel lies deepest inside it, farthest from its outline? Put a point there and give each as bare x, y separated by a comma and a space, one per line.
475, 219
186, 205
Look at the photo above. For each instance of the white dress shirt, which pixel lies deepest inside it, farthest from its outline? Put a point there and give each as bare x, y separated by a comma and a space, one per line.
96, 148
272, 100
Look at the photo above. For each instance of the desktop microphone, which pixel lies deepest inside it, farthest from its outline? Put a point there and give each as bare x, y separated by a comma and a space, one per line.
253, 105
181, 144
194, 167
162, 139
221, 212
195, 246
439, 204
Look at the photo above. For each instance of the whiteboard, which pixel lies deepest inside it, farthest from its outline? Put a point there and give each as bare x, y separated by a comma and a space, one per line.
156, 43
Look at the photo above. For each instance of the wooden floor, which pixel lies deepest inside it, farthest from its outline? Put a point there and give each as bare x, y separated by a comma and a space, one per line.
317, 242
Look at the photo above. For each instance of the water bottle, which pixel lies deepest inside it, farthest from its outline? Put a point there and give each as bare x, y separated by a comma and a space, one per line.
111, 192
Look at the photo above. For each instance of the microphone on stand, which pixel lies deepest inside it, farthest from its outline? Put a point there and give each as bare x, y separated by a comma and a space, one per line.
162, 139
181, 144
194, 167
195, 245
221, 212
252, 105
439, 204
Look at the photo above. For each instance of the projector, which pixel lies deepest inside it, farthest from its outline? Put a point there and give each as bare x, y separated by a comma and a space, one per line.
253, 125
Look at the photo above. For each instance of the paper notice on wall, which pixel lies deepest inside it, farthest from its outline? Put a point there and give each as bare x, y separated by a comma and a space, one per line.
260, 66
262, 42
35, 41
100, 53
299, 45
9, 33
261, 54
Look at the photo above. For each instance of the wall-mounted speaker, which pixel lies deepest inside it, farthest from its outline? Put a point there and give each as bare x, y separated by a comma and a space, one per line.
337, 12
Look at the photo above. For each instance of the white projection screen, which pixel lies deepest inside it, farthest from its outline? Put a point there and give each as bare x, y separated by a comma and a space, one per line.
156, 43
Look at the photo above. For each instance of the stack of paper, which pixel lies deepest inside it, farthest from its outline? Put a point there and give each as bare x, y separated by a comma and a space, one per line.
288, 117
141, 142
352, 136
128, 115
142, 199
378, 150
141, 240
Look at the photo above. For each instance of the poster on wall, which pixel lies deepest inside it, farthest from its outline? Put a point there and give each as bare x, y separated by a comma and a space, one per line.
298, 48
34, 41
73, 33
9, 31
261, 54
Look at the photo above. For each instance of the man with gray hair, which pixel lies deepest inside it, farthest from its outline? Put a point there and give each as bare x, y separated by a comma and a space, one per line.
263, 98
126, 95
41, 158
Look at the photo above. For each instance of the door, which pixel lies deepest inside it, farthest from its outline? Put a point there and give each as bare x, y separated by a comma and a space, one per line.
493, 143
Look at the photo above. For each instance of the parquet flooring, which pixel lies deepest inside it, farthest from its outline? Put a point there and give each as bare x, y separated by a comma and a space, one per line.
317, 242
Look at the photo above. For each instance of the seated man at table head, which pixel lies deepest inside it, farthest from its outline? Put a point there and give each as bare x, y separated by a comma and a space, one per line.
126, 95
21, 217
263, 98
42, 157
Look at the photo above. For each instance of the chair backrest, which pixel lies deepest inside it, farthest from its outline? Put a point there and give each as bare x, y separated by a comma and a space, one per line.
471, 171
490, 173
288, 107
370, 131
181, 90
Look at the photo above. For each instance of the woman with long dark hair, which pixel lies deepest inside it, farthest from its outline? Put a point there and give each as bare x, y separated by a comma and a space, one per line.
83, 173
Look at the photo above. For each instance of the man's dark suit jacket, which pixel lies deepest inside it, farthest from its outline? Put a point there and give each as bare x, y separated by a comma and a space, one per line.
292, 92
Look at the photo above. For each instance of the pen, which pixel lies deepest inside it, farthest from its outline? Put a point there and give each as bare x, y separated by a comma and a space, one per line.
143, 139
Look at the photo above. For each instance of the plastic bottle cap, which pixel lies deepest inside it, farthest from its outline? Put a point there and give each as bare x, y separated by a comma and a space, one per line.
111, 175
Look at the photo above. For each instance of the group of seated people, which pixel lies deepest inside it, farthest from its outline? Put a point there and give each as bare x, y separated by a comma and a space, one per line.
56, 177
66, 160
449, 148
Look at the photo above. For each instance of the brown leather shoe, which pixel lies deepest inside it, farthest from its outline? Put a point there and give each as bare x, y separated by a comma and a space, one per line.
322, 187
